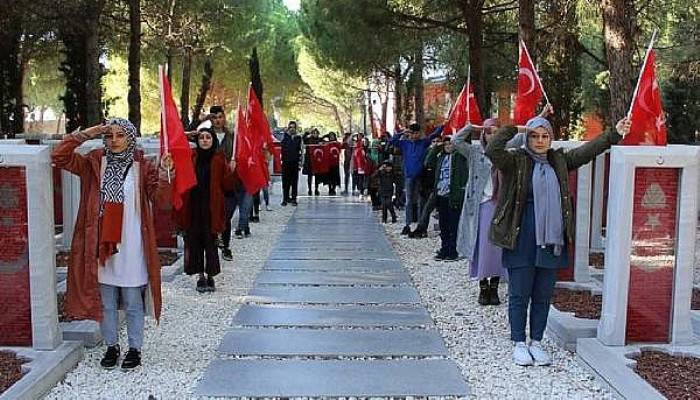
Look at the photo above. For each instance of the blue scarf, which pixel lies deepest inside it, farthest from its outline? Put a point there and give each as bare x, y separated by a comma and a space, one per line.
549, 223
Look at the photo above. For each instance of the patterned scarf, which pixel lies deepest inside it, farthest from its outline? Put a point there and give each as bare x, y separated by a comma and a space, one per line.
112, 191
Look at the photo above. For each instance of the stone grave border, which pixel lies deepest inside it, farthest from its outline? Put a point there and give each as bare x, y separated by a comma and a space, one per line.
566, 329
613, 369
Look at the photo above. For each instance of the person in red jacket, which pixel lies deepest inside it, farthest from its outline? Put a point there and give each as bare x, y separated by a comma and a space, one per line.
113, 252
202, 214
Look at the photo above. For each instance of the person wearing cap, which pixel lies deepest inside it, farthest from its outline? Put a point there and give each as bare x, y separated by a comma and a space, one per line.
480, 196
451, 173
534, 223
413, 150
113, 252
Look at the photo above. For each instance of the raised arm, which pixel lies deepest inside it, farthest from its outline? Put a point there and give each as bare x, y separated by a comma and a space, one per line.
496, 149
588, 151
64, 155
437, 132
462, 140
395, 139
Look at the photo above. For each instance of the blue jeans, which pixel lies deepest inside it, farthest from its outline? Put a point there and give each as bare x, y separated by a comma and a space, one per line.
132, 298
533, 287
412, 199
244, 203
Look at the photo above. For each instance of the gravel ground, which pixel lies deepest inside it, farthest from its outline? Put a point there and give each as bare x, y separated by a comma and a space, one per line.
478, 337
192, 325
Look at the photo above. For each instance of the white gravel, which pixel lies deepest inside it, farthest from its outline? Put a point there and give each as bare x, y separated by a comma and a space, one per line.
478, 338
192, 325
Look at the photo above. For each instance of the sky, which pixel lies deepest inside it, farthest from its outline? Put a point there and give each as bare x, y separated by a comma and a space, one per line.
292, 4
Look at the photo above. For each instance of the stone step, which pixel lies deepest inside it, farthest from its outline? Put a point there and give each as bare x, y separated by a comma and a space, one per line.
332, 278
272, 378
311, 342
333, 295
322, 316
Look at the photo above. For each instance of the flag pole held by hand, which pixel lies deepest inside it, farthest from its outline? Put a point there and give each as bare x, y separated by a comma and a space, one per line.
641, 71
163, 119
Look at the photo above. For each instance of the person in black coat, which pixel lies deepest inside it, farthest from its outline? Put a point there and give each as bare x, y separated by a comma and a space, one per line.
291, 157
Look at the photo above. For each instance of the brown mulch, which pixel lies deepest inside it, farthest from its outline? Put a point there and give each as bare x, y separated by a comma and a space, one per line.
60, 299
62, 258
581, 302
167, 257
597, 260
695, 302
676, 377
10, 369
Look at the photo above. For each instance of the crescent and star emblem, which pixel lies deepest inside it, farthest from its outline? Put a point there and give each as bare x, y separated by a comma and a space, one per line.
528, 74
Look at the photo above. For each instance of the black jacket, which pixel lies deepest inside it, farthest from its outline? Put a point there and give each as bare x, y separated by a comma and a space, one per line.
291, 149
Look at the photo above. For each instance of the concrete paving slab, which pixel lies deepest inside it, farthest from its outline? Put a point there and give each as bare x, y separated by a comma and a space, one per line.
321, 316
333, 295
308, 342
270, 378
332, 278
350, 254
334, 265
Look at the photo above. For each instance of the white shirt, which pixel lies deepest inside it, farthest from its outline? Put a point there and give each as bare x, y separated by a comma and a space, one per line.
127, 268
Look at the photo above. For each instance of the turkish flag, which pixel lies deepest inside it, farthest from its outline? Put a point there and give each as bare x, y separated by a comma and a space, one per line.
332, 153
648, 118
318, 159
249, 155
359, 158
464, 111
530, 89
174, 141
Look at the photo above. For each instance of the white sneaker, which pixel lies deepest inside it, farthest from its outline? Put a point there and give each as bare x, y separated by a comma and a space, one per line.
267, 208
521, 356
539, 354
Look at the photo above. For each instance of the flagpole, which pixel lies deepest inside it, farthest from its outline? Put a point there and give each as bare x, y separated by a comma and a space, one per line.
163, 118
537, 74
469, 79
641, 71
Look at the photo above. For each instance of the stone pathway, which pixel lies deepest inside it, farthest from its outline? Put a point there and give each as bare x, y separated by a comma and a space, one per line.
333, 313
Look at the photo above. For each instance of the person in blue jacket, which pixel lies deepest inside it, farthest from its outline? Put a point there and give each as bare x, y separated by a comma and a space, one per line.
413, 149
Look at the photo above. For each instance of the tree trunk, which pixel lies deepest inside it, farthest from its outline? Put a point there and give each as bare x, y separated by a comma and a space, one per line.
618, 23
185, 89
169, 64
419, 87
526, 25
471, 12
338, 120
398, 98
255, 78
134, 96
93, 67
203, 89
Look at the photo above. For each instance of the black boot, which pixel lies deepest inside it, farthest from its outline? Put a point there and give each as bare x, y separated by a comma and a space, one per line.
484, 294
493, 291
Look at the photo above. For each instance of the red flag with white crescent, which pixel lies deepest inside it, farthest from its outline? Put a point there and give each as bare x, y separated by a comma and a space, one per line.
530, 90
648, 119
174, 141
249, 157
458, 114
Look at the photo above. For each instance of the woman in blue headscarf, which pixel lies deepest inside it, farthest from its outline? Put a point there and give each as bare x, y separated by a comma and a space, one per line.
534, 222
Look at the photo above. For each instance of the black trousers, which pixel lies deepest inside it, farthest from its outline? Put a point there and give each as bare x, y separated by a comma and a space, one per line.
449, 222
290, 182
201, 254
387, 205
428, 207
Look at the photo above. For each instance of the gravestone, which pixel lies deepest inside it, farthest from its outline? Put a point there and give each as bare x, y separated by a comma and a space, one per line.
163, 220
580, 183
28, 311
650, 245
